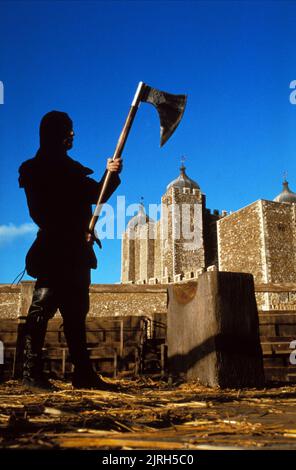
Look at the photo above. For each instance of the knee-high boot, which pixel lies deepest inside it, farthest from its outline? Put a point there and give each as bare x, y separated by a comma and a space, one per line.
41, 310
74, 308
84, 375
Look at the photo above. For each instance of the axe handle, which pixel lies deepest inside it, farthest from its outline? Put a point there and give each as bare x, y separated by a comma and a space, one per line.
118, 150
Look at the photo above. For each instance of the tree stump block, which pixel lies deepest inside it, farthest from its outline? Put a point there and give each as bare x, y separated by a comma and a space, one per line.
213, 331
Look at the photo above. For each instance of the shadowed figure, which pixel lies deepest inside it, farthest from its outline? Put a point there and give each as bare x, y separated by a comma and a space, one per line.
60, 194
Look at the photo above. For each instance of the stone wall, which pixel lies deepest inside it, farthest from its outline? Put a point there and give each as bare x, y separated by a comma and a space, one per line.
157, 252
280, 241
137, 254
167, 248
182, 242
143, 252
10, 301
151, 242
261, 239
146, 236
119, 299
127, 258
105, 300
241, 242
128, 299
188, 242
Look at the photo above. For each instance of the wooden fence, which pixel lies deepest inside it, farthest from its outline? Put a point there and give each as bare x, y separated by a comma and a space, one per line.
277, 331
131, 345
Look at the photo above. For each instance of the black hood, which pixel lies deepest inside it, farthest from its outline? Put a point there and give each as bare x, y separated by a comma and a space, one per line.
54, 128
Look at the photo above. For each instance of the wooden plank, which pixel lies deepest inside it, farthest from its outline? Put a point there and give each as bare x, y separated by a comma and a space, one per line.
9, 339
285, 370
159, 325
280, 374
267, 330
93, 336
270, 287
276, 312
54, 353
286, 330
8, 324
276, 348
276, 339
91, 441
102, 352
275, 361
277, 318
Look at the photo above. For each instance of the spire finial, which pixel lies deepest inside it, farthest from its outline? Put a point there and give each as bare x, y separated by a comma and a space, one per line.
141, 205
182, 167
285, 175
141, 209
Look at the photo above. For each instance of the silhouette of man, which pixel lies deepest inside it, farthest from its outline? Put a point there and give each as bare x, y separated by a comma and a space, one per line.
59, 194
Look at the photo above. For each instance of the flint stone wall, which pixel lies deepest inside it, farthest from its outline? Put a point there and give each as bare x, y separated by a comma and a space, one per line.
261, 239
240, 242
121, 299
10, 301
105, 300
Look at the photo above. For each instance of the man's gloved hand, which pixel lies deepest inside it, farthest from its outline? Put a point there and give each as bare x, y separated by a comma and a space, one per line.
89, 238
114, 165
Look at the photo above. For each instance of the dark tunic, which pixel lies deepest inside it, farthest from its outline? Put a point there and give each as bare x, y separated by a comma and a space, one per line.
60, 194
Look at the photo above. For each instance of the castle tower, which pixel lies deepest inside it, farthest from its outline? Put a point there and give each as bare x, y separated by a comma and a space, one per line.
286, 195
261, 239
182, 244
138, 248
127, 257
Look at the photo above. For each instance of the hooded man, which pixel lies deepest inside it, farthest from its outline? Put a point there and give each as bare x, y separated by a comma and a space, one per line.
60, 194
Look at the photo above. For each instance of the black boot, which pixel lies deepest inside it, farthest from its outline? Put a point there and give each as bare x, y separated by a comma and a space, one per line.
85, 377
34, 334
74, 311
33, 376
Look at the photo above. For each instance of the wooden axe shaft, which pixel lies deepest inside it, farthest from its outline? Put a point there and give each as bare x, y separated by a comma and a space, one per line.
118, 151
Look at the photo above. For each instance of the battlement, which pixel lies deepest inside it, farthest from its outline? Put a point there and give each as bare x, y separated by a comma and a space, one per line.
194, 191
182, 277
216, 212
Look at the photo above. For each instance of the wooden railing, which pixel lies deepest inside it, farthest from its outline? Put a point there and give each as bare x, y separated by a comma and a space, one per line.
274, 288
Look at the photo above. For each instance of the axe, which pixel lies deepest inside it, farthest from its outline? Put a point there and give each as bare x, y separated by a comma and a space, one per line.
170, 109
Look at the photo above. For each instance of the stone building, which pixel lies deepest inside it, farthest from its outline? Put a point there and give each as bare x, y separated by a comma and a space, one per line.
261, 239
179, 245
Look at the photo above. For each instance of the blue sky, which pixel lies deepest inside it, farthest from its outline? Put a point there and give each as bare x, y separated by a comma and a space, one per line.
234, 59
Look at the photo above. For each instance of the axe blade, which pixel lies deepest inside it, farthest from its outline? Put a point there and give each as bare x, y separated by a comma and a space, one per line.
170, 109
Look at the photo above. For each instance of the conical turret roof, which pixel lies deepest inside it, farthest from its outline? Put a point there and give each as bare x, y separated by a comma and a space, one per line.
286, 195
183, 181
